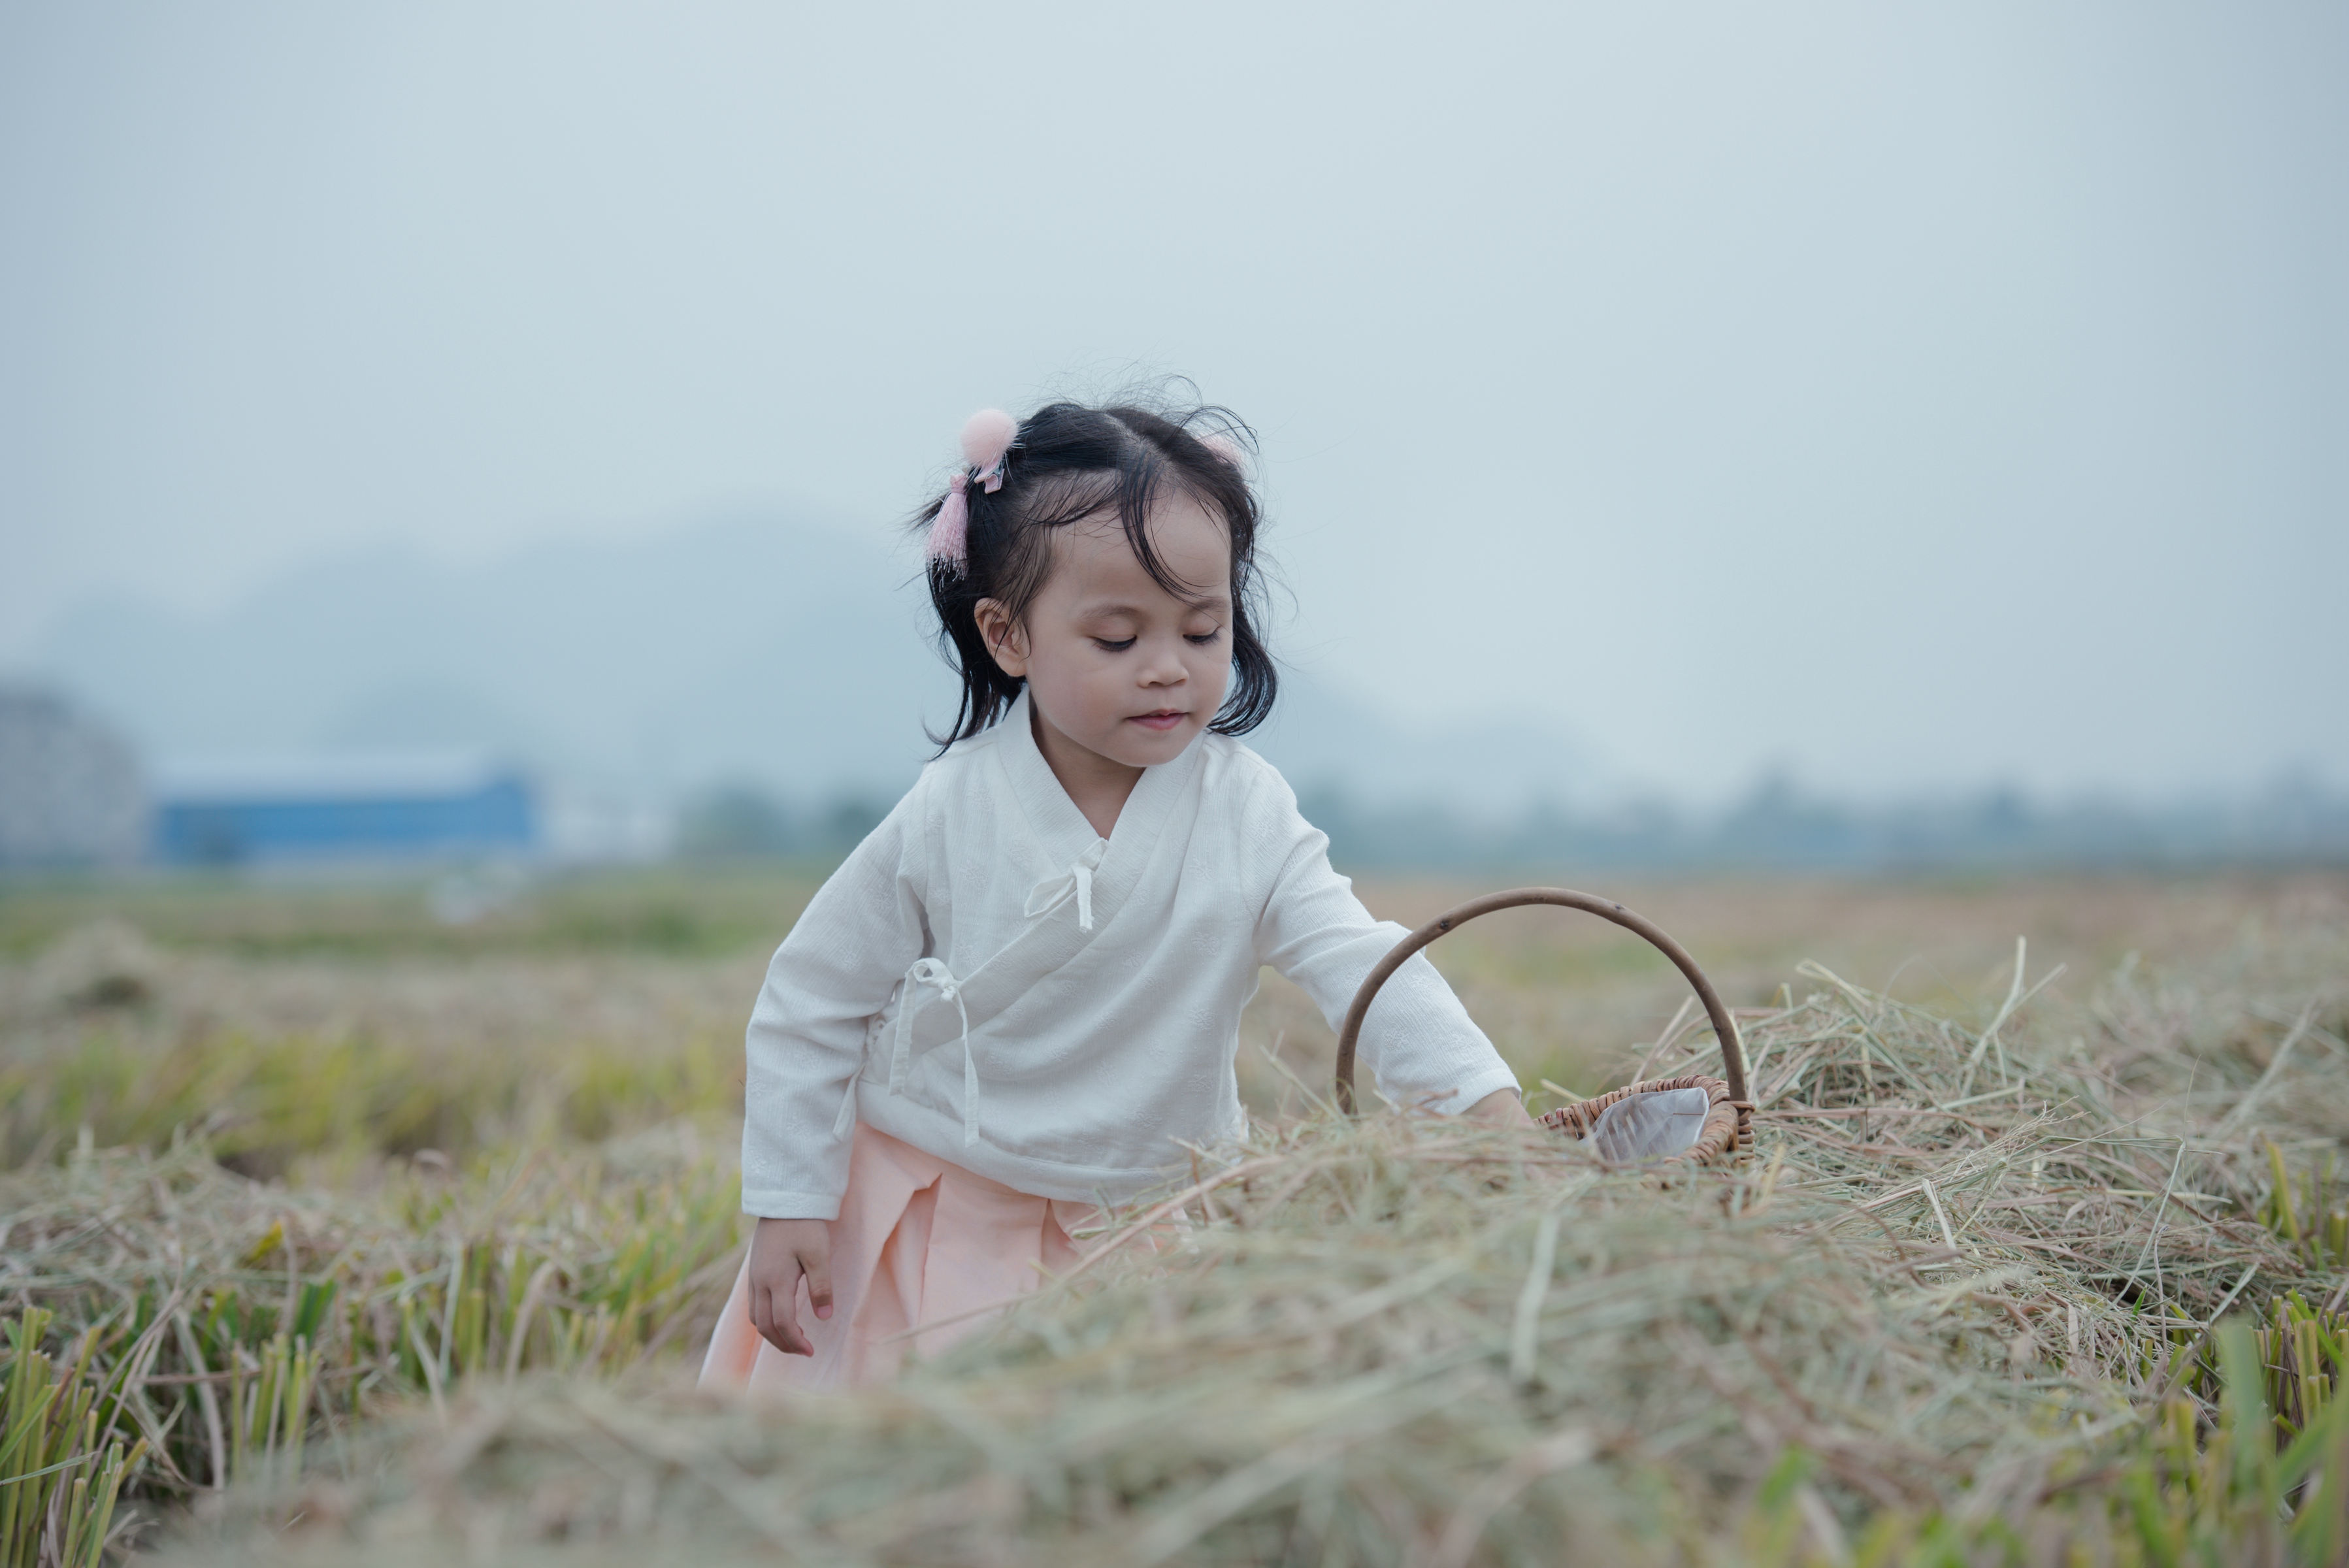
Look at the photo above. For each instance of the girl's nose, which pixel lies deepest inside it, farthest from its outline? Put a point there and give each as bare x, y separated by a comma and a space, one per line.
1164, 668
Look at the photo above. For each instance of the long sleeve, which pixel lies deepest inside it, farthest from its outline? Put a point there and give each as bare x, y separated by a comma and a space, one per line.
806, 1040
1418, 1040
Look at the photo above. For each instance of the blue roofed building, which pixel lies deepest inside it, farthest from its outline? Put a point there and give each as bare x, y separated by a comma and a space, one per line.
412, 805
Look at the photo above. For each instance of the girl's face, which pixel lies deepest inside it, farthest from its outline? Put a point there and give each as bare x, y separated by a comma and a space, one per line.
1114, 663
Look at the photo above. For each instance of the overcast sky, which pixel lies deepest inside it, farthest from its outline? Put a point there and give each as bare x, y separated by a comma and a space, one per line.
1908, 395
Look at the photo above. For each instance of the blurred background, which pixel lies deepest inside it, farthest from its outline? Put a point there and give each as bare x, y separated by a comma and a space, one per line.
1823, 436
1861, 484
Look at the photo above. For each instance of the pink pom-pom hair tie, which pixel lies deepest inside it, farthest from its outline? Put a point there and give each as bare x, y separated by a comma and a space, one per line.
986, 441
986, 438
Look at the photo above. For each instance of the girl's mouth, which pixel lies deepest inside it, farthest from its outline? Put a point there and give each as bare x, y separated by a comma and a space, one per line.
1164, 719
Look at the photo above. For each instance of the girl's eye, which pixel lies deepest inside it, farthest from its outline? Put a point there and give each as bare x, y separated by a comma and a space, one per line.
1117, 645
1206, 639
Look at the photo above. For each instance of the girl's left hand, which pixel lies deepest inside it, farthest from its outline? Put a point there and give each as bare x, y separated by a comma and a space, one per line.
1503, 1107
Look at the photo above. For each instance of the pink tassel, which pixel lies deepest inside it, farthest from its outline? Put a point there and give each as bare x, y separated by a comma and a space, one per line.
950, 529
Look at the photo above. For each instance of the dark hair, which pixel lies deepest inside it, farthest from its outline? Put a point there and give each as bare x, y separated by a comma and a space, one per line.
1072, 463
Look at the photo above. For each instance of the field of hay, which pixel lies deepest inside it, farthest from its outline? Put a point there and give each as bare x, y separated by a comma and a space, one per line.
334, 1233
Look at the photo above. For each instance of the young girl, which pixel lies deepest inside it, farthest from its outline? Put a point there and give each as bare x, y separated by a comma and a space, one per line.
1020, 998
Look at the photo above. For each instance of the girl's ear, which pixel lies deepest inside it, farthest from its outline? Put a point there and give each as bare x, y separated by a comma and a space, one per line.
1005, 637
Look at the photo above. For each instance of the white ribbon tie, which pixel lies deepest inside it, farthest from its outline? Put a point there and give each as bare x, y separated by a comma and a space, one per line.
939, 978
1048, 895
1077, 882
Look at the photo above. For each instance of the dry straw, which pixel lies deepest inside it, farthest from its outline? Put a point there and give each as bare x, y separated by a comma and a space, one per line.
225, 1325
1965, 1271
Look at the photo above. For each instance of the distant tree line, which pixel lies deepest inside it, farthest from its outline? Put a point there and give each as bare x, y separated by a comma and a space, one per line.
1778, 827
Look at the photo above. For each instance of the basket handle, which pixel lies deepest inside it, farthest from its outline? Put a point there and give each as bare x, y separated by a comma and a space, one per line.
1725, 1027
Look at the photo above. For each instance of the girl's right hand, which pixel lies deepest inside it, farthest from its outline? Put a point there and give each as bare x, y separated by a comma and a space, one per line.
783, 1252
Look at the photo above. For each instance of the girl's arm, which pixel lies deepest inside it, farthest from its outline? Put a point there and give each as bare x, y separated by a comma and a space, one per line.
1419, 1042
806, 1040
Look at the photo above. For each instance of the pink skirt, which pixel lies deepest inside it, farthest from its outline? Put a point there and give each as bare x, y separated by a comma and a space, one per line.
919, 1242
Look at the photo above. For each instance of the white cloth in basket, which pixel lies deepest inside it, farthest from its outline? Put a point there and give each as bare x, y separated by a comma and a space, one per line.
1654, 1125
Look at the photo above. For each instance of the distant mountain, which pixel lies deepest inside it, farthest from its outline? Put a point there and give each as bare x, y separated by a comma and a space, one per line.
761, 648
765, 650
772, 676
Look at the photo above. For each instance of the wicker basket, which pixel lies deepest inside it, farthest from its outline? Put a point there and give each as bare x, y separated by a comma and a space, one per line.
1728, 1132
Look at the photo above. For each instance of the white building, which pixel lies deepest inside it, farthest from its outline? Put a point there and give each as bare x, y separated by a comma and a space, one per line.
70, 790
